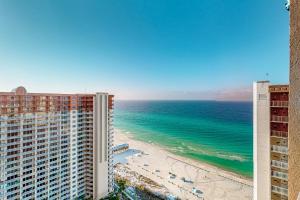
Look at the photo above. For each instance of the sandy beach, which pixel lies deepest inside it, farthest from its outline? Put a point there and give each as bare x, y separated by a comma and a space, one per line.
158, 165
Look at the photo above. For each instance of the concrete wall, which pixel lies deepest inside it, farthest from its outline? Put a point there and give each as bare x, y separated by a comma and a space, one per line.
294, 106
100, 146
261, 143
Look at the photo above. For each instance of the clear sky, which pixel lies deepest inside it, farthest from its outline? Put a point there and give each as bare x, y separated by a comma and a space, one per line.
144, 49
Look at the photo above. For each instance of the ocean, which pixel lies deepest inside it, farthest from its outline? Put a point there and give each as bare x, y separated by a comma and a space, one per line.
215, 132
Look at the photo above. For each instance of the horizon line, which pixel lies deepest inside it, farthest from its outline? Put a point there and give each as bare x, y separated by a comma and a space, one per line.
183, 100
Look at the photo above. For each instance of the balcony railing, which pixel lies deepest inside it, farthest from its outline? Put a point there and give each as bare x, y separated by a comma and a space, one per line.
279, 104
280, 190
279, 133
279, 164
279, 149
276, 118
280, 175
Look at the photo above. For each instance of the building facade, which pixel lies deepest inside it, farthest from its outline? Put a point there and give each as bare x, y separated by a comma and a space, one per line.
270, 131
55, 146
294, 123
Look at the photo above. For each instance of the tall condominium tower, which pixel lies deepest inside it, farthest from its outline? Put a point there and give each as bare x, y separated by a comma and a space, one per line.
270, 131
294, 114
55, 146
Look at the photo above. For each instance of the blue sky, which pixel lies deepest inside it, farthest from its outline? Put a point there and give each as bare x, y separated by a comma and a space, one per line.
144, 49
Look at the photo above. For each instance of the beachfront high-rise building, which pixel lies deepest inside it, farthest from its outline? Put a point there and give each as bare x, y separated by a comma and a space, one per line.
294, 109
261, 141
270, 131
55, 146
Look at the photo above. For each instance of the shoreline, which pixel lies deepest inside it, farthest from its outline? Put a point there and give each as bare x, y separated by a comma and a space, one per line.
212, 180
226, 173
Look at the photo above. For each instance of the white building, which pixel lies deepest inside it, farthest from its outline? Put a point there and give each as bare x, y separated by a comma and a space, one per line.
55, 146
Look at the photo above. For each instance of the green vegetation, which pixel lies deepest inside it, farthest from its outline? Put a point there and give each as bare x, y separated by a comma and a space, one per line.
111, 196
119, 192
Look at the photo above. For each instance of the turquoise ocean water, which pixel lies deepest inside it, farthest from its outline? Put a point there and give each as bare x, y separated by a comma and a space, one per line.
217, 133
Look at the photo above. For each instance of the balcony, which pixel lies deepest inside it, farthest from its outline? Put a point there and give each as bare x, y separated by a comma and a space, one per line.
279, 164
279, 149
276, 118
284, 104
283, 134
280, 175
280, 190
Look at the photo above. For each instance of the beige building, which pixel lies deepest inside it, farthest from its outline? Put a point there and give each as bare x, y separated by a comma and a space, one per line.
270, 131
285, 162
294, 109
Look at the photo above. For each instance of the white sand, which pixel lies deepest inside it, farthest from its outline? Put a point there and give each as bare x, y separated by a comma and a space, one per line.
216, 184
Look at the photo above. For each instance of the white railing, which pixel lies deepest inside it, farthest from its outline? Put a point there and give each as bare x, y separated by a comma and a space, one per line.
279, 133
279, 103
280, 190
279, 164
276, 118
279, 149
280, 175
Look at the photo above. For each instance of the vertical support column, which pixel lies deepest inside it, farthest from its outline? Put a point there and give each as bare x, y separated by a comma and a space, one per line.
20, 116
34, 115
3, 152
261, 142
110, 143
73, 154
100, 146
294, 102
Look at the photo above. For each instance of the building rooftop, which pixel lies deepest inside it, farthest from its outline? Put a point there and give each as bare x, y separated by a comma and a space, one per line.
21, 91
